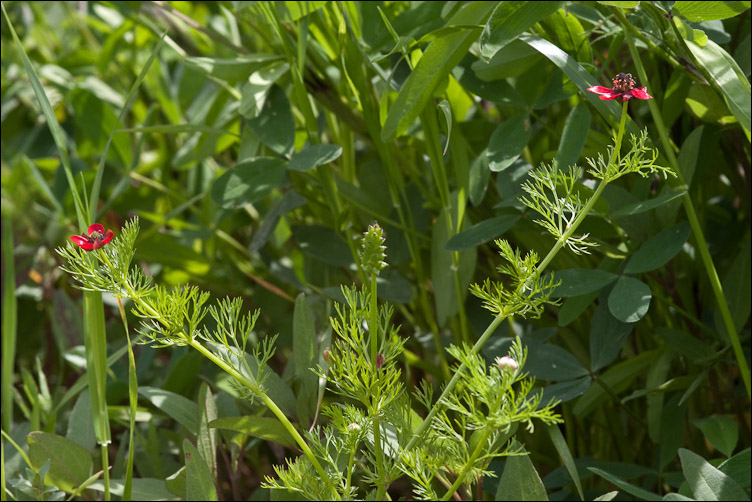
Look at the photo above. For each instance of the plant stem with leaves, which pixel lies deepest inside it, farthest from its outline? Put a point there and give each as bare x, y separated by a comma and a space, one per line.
173, 318
553, 194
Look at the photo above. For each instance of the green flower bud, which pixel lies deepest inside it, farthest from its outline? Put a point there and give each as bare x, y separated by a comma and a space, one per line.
372, 253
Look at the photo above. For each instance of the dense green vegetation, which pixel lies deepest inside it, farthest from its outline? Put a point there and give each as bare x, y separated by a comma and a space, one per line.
376, 250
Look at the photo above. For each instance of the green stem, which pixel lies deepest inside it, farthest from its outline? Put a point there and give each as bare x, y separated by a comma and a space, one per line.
243, 380
350, 463
592, 200
694, 222
373, 329
133, 403
106, 471
546, 261
468, 465
272, 407
457, 375
10, 322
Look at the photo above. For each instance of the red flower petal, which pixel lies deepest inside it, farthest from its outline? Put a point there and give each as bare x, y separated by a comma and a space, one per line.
82, 242
107, 237
96, 227
640, 93
599, 89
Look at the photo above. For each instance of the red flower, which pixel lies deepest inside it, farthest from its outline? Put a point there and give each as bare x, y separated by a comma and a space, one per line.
624, 88
96, 239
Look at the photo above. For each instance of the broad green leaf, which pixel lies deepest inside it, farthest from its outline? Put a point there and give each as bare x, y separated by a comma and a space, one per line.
290, 200
575, 133
183, 373
372, 202
737, 284
497, 91
647, 205
566, 391
727, 75
618, 378
482, 232
255, 90
684, 343
607, 335
509, 20
70, 464
570, 34
248, 182
689, 33
707, 482
520, 481
181, 409
232, 70
304, 354
688, 155
562, 448
511, 61
633, 490
206, 439
274, 125
479, 176
175, 482
581, 281
551, 362
443, 270
608, 496
708, 106
707, 11
323, 243
198, 479
672, 430
673, 97
743, 54
738, 468
720, 431
269, 429
294, 10
574, 306
658, 250
314, 156
507, 142
629, 300
80, 424
435, 64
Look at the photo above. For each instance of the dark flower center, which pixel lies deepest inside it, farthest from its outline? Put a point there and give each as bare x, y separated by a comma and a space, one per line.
624, 82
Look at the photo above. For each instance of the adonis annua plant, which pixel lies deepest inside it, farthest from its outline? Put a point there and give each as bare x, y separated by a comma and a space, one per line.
379, 432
